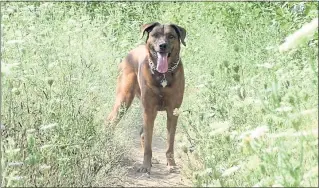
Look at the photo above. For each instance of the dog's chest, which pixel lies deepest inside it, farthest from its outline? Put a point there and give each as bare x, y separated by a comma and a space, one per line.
163, 80
164, 83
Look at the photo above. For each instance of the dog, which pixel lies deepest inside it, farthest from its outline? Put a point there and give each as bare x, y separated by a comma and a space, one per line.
154, 73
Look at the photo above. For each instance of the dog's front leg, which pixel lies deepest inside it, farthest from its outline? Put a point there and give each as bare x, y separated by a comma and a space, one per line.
171, 129
149, 115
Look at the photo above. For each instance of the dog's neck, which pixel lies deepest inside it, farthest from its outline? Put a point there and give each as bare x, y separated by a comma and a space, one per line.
163, 79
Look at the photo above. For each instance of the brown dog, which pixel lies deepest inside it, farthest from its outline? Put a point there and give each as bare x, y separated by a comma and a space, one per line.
154, 73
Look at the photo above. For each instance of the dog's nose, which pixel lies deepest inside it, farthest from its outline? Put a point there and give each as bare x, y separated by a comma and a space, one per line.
163, 46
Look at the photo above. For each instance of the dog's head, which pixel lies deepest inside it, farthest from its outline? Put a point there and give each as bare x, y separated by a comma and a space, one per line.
163, 43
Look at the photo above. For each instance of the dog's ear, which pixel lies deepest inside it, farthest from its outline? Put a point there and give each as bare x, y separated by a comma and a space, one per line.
148, 27
181, 33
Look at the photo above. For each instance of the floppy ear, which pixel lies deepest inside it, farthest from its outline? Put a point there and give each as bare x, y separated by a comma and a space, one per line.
181, 33
148, 27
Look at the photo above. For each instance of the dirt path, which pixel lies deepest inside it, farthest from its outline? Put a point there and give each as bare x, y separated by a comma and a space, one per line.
160, 175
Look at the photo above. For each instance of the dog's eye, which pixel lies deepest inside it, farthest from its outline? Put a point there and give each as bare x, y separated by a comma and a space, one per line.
171, 36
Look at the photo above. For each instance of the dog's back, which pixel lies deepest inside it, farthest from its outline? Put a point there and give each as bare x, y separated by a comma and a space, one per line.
134, 58
127, 84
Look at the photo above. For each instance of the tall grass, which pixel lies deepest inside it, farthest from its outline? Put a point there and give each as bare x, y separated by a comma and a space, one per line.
57, 85
249, 114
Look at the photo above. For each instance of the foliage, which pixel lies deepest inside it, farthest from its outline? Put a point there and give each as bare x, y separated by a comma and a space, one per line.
249, 113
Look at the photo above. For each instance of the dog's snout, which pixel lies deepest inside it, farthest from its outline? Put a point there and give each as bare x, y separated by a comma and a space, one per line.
163, 46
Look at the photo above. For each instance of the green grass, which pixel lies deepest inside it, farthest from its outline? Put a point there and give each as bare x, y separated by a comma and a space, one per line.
59, 68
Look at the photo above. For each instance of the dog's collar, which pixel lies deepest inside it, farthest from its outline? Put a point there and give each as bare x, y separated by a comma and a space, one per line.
171, 69
163, 82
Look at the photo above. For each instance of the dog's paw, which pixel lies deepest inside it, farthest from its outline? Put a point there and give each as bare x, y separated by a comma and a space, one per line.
171, 162
144, 169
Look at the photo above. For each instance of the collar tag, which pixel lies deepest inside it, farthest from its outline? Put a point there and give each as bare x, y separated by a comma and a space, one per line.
164, 82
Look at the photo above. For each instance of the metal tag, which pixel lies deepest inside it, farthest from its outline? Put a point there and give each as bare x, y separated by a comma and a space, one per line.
164, 82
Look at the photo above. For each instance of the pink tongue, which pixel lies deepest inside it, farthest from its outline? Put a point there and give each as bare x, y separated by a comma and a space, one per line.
162, 65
